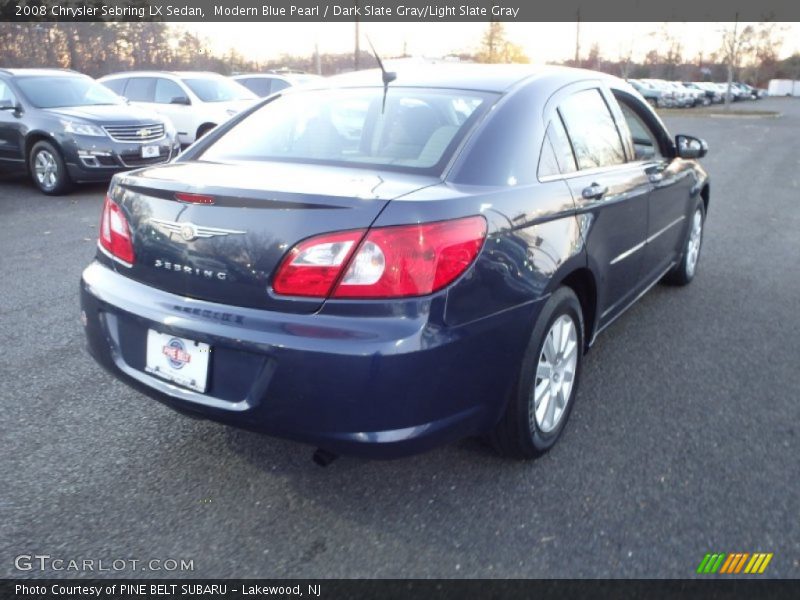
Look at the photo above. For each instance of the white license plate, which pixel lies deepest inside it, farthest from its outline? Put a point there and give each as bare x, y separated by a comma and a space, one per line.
177, 359
150, 151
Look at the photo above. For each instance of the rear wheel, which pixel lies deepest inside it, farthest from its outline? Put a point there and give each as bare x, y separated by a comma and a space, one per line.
683, 273
542, 399
48, 170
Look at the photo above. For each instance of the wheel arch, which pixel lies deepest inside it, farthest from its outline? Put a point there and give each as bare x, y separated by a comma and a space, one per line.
32, 139
582, 281
204, 128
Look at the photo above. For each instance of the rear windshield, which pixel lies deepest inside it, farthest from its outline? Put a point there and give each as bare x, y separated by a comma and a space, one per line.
213, 89
62, 91
417, 130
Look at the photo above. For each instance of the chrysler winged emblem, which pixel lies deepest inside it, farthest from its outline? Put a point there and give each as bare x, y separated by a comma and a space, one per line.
190, 231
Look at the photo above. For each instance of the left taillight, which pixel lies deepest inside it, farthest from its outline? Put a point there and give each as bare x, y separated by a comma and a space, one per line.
115, 234
384, 262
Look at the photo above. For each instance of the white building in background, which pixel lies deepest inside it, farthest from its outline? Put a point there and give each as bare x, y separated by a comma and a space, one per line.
784, 87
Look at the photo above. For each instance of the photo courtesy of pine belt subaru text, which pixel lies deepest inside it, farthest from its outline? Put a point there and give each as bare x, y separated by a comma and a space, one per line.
378, 263
61, 128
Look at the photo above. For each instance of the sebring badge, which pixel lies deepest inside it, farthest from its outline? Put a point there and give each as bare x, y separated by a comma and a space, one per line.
190, 231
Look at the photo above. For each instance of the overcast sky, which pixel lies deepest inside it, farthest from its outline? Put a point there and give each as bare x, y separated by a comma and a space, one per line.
542, 42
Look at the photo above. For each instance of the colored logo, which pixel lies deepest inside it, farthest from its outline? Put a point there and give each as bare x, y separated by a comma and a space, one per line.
176, 353
735, 563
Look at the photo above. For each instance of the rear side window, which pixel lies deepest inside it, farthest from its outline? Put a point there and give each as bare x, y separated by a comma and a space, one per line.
557, 157
140, 89
260, 86
279, 84
116, 85
592, 131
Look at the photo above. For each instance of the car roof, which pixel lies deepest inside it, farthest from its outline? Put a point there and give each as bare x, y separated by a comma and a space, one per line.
469, 76
49, 72
178, 74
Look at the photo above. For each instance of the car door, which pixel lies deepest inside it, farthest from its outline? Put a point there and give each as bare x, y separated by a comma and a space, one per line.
670, 185
610, 194
11, 130
172, 101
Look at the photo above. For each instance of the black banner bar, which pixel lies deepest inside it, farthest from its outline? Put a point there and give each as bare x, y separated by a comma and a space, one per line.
231, 589
398, 10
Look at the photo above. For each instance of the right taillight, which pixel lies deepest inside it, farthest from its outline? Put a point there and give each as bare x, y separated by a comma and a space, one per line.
115, 235
389, 262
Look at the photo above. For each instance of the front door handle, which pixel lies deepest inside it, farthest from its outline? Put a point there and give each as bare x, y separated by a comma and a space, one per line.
655, 174
594, 191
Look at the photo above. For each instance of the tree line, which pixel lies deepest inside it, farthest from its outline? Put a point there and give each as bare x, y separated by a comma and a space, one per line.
100, 48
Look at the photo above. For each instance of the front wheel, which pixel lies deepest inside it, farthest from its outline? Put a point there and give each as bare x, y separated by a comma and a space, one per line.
48, 170
542, 399
683, 273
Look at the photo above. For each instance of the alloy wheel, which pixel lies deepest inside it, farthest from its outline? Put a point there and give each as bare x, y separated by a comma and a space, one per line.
693, 245
46, 169
555, 374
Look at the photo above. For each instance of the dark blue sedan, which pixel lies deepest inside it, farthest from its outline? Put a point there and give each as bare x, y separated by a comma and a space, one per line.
377, 269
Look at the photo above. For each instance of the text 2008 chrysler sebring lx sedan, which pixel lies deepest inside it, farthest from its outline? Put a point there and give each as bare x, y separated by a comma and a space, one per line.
376, 269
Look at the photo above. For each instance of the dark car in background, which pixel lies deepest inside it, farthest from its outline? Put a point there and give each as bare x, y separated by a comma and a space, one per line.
385, 262
62, 127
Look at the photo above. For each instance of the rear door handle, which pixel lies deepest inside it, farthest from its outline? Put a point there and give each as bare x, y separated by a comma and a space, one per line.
594, 191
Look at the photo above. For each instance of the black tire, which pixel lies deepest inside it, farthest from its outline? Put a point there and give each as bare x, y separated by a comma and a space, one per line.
48, 169
684, 272
518, 434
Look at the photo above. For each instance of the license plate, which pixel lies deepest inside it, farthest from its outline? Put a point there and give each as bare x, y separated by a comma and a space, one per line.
150, 151
177, 359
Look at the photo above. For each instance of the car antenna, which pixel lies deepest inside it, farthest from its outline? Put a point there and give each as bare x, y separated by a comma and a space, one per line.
387, 76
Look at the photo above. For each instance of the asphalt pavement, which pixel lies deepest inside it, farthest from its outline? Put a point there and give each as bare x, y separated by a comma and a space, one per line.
683, 440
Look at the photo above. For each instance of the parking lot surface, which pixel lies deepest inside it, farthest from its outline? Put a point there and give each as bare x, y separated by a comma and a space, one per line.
683, 440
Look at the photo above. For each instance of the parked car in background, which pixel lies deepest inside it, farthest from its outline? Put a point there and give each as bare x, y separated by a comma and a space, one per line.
654, 96
63, 127
702, 95
195, 102
379, 268
265, 84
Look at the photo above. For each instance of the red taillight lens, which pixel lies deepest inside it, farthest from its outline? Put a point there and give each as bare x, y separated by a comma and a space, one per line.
313, 266
115, 235
390, 262
412, 260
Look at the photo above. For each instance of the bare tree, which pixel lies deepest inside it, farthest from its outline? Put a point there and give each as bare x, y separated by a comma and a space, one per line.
735, 42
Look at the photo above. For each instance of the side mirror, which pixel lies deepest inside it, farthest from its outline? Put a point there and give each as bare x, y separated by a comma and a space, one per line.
690, 147
180, 100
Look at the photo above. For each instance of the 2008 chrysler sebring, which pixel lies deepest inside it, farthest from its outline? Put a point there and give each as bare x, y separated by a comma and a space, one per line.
381, 264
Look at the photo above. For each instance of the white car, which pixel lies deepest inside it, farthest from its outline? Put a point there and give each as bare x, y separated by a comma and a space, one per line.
195, 102
266, 84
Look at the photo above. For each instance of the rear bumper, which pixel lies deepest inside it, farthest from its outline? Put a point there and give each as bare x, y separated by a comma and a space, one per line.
378, 387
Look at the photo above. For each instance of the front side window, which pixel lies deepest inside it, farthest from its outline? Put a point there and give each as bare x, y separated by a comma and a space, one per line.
61, 91
645, 142
217, 89
592, 131
167, 90
6, 95
416, 130
116, 85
